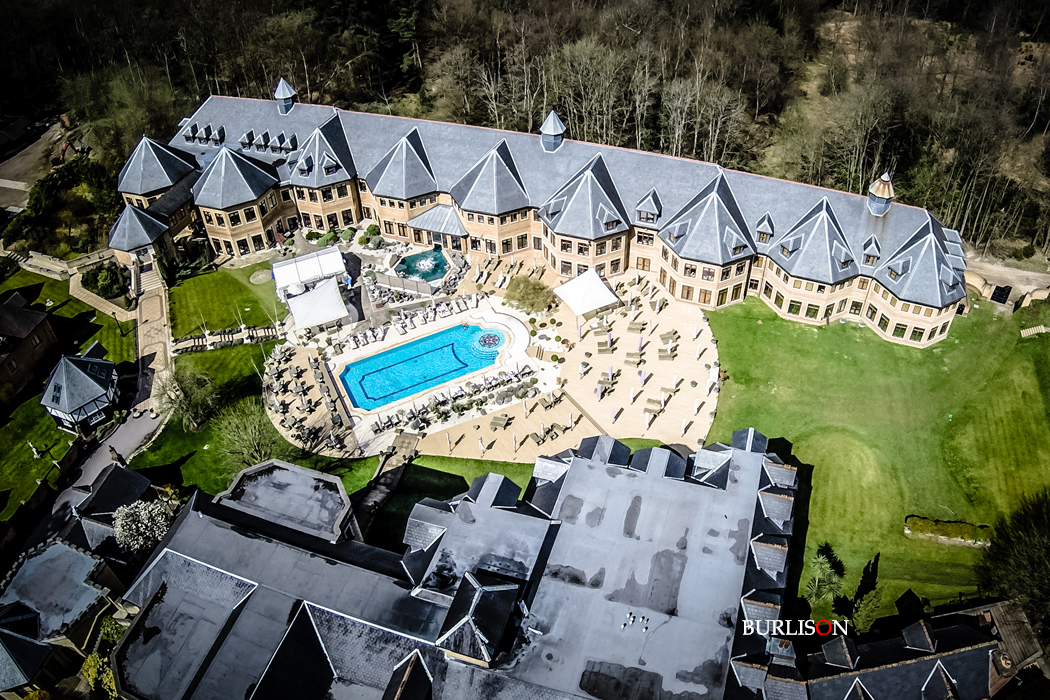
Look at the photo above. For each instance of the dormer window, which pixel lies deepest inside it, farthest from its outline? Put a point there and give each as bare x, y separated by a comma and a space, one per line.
870, 259
737, 250
785, 252
611, 225
894, 274
329, 169
763, 237
845, 264
647, 217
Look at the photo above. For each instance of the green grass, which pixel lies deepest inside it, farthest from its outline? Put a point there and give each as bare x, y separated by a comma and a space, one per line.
192, 458
417, 483
76, 324
640, 443
224, 298
470, 469
872, 418
19, 470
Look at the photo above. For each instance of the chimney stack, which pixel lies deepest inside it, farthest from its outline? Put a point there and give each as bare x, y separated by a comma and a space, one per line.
880, 195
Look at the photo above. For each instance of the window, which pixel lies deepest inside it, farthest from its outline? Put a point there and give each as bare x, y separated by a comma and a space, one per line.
671, 287
616, 244
566, 245
566, 268
708, 274
207, 218
470, 217
300, 193
933, 333
614, 267
752, 284
722, 296
738, 291
235, 218
872, 312
944, 328
737, 250
599, 248
809, 286
506, 244
140, 204
741, 268
855, 308
412, 204
503, 221
905, 308
513, 217
583, 249
600, 269
362, 185
249, 214
767, 290
388, 227
916, 309
928, 313
432, 198
687, 292
784, 251
523, 241
642, 264
644, 239
492, 221
862, 284
312, 194
869, 259
611, 225
417, 236
899, 330
821, 289
797, 284
689, 270
490, 246
663, 277
674, 263
726, 273
12, 365
348, 217
220, 220
794, 308
778, 301
535, 214
326, 194
273, 199
646, 217
537, 243
845, 264
341, 191
580, 269
36, 340
828, 310
883, 323
812, 310
663, 253
893, 301
333, 221
763, 237
318, 222
262, 208
842, 306
475, 244
917, 334
382, 202
703, 296
757, 264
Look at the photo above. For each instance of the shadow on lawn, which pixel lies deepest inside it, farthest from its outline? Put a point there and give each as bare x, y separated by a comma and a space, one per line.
388, 524
795, 607
165, 474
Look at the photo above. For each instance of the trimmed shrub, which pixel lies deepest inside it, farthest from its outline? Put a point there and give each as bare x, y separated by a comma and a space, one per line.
107, 280
312, 235
363, 240
373, 230
953, 529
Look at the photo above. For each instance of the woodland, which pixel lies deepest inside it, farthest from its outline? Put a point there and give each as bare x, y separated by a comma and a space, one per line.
950, 96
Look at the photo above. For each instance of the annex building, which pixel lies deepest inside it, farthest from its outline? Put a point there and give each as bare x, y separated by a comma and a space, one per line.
241, 173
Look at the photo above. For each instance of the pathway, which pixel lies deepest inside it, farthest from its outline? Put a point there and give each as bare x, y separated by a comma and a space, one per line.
154, 331
77, 291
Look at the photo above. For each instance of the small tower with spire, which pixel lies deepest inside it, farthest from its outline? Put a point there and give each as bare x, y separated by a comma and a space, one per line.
551, 132
285, 96
880, 195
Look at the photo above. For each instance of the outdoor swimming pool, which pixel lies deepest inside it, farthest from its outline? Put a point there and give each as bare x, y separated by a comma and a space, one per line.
430, 266
419, 365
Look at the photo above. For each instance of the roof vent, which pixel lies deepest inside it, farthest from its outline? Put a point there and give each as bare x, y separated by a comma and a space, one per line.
880, 194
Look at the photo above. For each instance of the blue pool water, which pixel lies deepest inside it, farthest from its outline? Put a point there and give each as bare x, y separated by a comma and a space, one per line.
422, 364
428, 266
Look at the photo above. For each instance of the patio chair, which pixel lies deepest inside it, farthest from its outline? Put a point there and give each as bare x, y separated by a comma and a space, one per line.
536, 438
633, 363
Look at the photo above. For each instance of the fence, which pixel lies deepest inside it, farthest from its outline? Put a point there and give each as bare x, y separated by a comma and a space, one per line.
413, 286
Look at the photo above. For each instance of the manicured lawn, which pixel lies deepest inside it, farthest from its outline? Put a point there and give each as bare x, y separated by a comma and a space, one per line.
76, 324
955, 432
640, 443
221, 299
469, 469
19, 470
192, 459
418, 482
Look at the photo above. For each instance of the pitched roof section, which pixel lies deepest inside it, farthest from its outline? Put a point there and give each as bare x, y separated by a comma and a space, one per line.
604, 449
857, 691
76, 382
710, 228
440, 218
770, 554
588, 205
135, 228
232, 179
840, 651
552, 125
920, 270
283, 91
479, 617
20, 659
152, 167
776, 506
651, 203
816, 247
411, 679
405, 171
16, 319
324, 158
920, 636
493, 185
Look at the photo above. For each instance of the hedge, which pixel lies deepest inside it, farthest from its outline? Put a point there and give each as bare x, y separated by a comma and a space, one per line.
952, 529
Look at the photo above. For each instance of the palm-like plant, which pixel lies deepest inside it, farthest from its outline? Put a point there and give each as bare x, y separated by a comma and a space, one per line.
825, 583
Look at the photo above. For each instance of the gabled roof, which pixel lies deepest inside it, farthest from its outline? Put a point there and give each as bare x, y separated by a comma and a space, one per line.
20, 660
405, 171
283, 91
817, 247
783, 475
920, 636
479, 617
152, 167
925, 273
939, 686
776, 506
761, 606
426, 525
840, 651
749, 674
325, 157
710, 227
777, 688
232, 179
493, 185
115, 486
587, 204
749, 440
857, 691
18, 320
493, 491
651, 203
75, 382
440, 218
411, 679
770, 554
552, 125
604, 449
135, 228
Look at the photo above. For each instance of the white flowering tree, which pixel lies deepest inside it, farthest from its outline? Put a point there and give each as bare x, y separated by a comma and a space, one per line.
140, 525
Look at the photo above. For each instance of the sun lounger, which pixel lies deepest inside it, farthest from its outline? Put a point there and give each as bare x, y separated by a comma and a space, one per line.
666, 356
652, 411
536, 438
606, 383
545, 403
668, 390
400, 328
635, 355
633, 363
605, 351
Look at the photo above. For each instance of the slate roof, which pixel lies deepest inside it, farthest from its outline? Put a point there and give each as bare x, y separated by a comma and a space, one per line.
661, 461
749, 674
770, 554
552, 125
710, 227
543, 495
170, 202
782, 475
135, 228
405, 171
776, 688
232, 179
588, 205
283, 91
481, 613
152, 166
749, 440
651, 204
920, 636
776, 505
426, 525
550, 468
17, 320
20, 660
324, 158
411, 679
760, 605
440, 218
840, 651
75, 382
493, 185
605, 449
115, 486
924, 272
54, 581
493, 491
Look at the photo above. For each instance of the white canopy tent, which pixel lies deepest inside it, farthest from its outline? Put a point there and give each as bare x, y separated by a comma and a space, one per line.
587, 295
321, 305
298, 272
